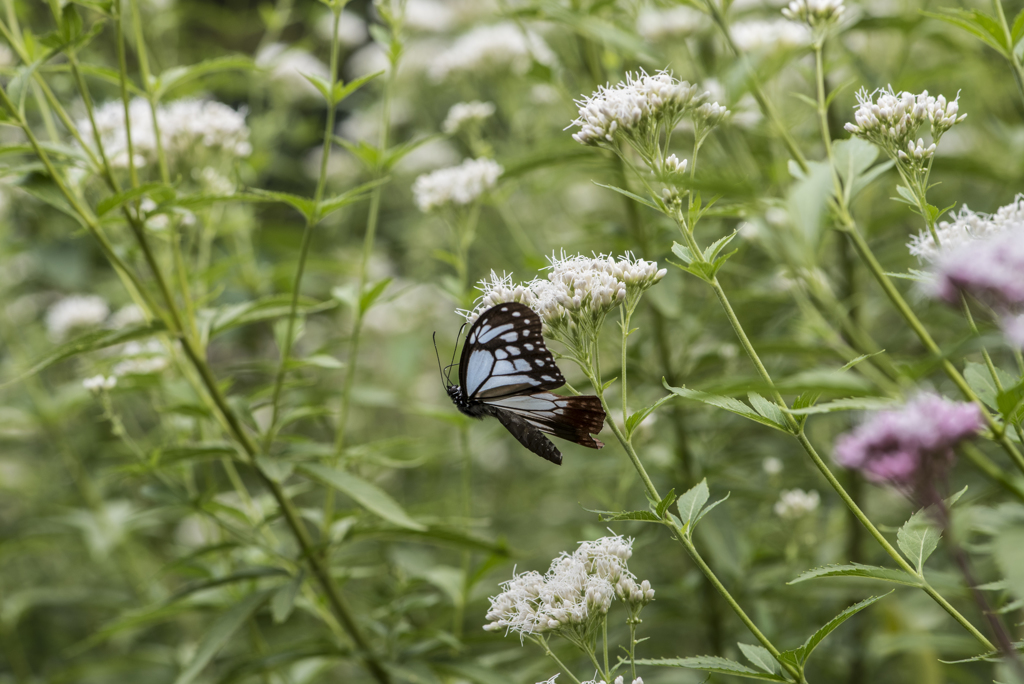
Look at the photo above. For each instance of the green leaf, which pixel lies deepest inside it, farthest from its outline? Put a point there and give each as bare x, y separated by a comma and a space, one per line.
712, 664
1011, 403
219, 634
851, 404
980, 380
158, 191
91, 341
372, 294
342, 90
42, 187
717, 246
368, 495
691, 502
854, 158
906, 195
858, 570
767, 409
728, 403
666, 501
178, 76
320, 84
283, 601
803, 653
978, 24
626, 516
196, 451
760, 656
990, 656
1017, 32
1008, 551
683, 252
304, 205
627, 193
357, 194
634, 421
707, 509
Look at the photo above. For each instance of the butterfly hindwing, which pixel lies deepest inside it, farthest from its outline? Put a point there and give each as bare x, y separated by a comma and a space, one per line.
505, 355
570, 418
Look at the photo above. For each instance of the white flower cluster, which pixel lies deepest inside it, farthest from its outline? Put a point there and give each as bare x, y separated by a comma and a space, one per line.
768, 35
967, 227
796, 503
578, 290
142, 359
574, 594
100, 382
463, 113
641, 102
130, 314
460, 184
660, 24
75, 311
185, 126
814, 12
891, 120
486, 48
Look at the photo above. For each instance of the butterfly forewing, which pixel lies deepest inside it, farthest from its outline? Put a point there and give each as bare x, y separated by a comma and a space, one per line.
505, 355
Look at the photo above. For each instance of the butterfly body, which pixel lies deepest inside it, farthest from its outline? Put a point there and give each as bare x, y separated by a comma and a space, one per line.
506, 372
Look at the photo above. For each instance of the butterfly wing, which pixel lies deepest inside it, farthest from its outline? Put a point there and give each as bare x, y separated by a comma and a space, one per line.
505, 355
570, 418
527, 434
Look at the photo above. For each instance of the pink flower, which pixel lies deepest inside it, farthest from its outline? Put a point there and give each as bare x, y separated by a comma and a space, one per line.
906, 446
990, 270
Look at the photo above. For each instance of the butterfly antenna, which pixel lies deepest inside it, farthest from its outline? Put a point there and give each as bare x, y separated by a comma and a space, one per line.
455, 349
438, 355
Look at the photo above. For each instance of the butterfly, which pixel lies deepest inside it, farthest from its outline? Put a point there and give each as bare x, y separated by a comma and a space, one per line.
507, 372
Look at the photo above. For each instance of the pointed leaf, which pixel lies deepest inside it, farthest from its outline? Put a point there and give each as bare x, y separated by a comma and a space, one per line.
760, 656
707, 509
627, 193
634, 421
728, 403
304, 205
715, 247
283, 601
341, 91
683, 252
918, 538
626, 516
177, 76
1017, 32
858, 570
159, 191
219, 633
816, 638
91, 341
691, 502
665, 503
371, 295
767, 409
712, 664
366, 494
851, 404
332, 204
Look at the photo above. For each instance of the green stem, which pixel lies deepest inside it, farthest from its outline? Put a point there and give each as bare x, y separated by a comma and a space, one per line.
550, 654
755, 87
147, 84
226, 413
307, 239
604, 638
681, 534
368, 241
1015, 64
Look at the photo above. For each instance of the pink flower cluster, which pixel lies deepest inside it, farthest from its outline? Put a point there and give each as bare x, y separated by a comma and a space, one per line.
907, 445
991, 271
